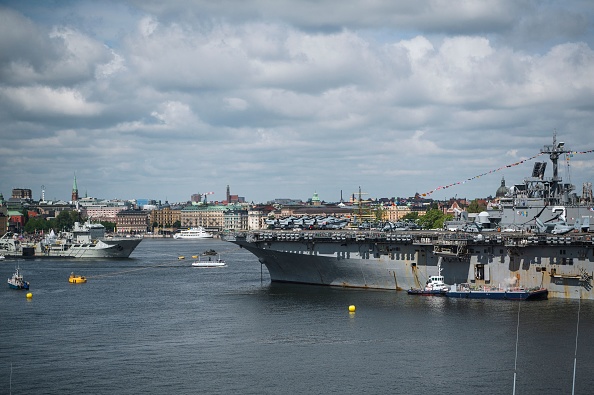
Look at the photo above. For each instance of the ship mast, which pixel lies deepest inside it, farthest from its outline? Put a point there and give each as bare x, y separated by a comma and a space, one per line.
554, 151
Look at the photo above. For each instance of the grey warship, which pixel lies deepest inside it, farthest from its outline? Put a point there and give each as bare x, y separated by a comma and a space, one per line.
85, 241
538, 236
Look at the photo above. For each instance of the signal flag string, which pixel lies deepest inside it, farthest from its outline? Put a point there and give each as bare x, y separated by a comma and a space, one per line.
567, 156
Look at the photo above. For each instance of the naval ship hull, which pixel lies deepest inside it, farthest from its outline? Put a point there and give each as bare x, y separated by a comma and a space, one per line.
564, 265
108, 248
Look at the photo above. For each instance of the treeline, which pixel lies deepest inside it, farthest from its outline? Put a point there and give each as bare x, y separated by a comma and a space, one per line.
63, 222
434, 217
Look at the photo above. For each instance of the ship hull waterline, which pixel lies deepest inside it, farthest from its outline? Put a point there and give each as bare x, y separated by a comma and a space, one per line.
566, 271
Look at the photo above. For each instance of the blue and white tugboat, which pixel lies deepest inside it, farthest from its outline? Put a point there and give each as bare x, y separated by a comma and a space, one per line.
17, 281
435, 285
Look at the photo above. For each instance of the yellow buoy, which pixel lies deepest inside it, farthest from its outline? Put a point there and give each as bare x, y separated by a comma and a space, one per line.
195, 256
352, 308
181, 257
29, 295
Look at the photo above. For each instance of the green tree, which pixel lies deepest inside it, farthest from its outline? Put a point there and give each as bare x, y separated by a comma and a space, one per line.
475, 207
109, 226
36, 224
411, 216
433, 219
66, 219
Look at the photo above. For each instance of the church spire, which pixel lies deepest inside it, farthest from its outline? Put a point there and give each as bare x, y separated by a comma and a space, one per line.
74, 190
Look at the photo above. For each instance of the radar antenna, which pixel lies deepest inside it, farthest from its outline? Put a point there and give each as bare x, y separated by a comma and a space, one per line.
554, 151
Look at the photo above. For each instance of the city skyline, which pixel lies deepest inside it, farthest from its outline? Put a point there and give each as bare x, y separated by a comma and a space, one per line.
283, 99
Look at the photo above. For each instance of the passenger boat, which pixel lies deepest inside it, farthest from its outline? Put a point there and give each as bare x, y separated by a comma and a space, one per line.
193, 233
210, 262
17, 281
74, 279
465, 291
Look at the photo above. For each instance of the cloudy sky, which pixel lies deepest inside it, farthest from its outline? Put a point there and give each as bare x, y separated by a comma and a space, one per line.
281, 99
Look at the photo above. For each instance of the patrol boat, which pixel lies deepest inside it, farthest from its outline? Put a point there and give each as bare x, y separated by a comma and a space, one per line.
505, 246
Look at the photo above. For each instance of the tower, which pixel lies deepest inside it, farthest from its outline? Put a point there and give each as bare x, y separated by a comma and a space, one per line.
228, 195
74, 190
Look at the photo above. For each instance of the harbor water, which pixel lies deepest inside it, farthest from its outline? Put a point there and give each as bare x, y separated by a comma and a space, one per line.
153, 324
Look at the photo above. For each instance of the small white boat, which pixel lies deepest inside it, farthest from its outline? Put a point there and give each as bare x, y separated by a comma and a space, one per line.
209, 262
193, 233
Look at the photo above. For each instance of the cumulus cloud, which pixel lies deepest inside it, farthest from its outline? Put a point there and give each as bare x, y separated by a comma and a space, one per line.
398, 97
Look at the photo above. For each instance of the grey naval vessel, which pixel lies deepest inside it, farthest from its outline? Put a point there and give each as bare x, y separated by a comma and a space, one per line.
86, 240
537, 236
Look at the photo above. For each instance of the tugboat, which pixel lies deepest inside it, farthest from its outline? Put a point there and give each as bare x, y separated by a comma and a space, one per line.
17, 282
434, 286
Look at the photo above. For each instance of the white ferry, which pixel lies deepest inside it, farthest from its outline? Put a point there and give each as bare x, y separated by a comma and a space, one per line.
193, 233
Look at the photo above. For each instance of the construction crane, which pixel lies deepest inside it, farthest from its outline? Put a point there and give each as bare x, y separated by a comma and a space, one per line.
204, 194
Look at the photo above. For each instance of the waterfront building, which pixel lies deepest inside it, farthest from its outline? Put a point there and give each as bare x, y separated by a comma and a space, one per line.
235, 218
257, 217
207, 216
215, 218
131, 221
164, 218
103, 210
3, 219
394, 213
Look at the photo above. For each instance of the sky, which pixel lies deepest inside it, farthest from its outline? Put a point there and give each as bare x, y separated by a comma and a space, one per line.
147, 99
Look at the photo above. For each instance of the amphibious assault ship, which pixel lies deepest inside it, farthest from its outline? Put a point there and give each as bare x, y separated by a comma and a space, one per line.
537, 236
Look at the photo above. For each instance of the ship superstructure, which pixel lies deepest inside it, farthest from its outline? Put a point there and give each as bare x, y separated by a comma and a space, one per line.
546, 198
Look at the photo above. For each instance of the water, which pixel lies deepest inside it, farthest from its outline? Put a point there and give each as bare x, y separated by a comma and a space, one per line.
153, 324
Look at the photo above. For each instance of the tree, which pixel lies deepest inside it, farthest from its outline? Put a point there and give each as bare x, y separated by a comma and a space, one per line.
109, 226
66, 219
476, 207
411, 216
433, 219
36, 224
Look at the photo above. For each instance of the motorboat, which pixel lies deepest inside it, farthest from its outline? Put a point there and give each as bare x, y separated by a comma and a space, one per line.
209, 262
17, 281
193, 233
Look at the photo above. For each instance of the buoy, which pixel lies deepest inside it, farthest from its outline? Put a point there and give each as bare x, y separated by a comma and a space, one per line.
352, 308
29, 295
195, 256
181, 257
